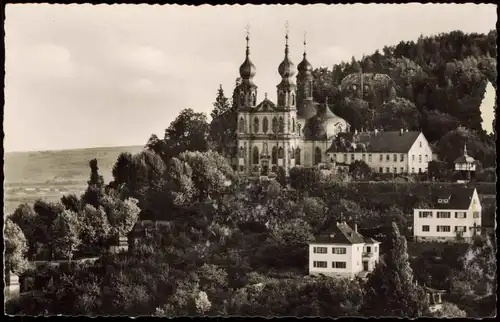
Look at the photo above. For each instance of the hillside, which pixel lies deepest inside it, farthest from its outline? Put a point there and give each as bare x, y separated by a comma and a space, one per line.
50, 174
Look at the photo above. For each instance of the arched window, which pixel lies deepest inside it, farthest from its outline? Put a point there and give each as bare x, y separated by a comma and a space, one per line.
242, 99
292, 153
280, 153
254, 100
289, 125
242, 152
274, 155
255, 155
275, 125
299, 127
297, 156
293, 124
293, 99
317, 155
241, 125
256, 125
265, 125
281, 125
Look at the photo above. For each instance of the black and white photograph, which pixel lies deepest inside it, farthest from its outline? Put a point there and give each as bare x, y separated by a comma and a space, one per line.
321, 160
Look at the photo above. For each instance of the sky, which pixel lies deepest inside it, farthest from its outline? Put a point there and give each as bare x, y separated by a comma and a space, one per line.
111, 75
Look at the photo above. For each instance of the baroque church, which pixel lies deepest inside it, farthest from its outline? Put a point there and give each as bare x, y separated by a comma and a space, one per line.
294, 131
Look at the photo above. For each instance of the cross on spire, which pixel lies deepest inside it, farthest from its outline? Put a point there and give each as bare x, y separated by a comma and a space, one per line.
305, 42
286, 37
248, 38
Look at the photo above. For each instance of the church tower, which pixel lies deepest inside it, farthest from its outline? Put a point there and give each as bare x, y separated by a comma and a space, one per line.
304, 80
286, 89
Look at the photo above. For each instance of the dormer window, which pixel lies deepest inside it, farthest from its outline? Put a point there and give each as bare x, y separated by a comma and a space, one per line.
443, 201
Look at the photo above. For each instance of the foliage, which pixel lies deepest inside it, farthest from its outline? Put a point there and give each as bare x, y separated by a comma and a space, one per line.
359, 169
65, 235
15, 248
224, 123
26, 219
94, 230
121, 215
397, 114
391, 289
450, 310
302, 178
95, 189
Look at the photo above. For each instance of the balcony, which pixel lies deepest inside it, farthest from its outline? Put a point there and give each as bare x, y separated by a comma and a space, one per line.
367, 255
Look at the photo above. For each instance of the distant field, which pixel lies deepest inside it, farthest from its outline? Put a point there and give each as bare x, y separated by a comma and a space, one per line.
51, 174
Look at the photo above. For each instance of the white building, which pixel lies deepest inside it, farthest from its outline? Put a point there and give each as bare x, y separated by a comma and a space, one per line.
466, 165
343, 253
383, 151
456, 211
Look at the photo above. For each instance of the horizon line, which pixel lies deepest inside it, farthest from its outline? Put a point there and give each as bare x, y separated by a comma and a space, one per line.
78, 148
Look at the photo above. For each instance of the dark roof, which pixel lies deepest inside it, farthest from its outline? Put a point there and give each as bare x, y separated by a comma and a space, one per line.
319, 126
265, 105
382, 141
458, 198
342, 234
307, 109
370, 240
464, 159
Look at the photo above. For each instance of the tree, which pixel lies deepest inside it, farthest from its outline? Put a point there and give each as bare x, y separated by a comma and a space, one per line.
281, 176
94, 229
224, 123
47, 213
450, 311
391, 289
71, 202
359, 169
121, 215
65, 235
27, 220
304, 178
15, 248
123, 168
397, 114
95, 189
221, 104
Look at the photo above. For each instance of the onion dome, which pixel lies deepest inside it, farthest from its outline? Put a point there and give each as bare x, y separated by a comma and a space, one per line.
247, 69
286, 68
324, 125
304, 67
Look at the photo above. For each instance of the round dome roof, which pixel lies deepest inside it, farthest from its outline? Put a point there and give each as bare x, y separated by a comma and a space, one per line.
247, 69
286, 68
324, 125
304, 66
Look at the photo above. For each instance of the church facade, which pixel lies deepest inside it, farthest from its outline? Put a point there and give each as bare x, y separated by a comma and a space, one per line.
294, 131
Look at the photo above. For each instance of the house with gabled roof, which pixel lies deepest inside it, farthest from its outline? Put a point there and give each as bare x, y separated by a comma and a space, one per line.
383, 151
343, 253
454, 213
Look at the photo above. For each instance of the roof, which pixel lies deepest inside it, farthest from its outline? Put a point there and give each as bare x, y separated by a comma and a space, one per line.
307, 110
322, 125
377, 142
265, 105
342, 234
457, 198
464, 159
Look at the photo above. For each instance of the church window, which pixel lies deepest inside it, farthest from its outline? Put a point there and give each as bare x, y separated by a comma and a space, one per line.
254, 99
317, 155
281, 125
256, 125
274, 155
281, 99
292, 153
293, 124
255, 155
265, 125
299, 127
297, 156
289, 125
241, 125
293, 99
242, 99
242, 152
280, 153
275, 125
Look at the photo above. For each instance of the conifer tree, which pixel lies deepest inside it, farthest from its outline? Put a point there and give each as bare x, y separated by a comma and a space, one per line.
391, 289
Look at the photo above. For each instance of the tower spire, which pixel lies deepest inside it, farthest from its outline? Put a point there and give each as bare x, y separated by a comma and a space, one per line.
248, 40
305, 43
465, 148
286, 38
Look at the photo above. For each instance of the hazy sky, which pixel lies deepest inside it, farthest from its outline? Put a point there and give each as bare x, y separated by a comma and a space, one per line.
111, 75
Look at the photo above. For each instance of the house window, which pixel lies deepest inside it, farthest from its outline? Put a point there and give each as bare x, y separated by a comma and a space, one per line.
335, 157
402, 169
388, 157
320, 264
363, 157
370, 157
387, 170
443, 214
475, 214
395, 170
426, 228
460, 229
368, 249
419, 170
426, 158
339, 265
375, 249
412, 170
413, 157
420, 144
242, 168
339, 250
395, 158
265, 125
381, 170
401, 157
297, 156
256, 125
345, 158
419, 158
381, 157
352, 157
461, 214
320, 250
425, 214
443, 229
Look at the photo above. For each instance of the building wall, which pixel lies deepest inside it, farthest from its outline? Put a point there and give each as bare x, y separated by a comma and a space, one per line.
374, 161
420, 155
374, 258
329, 257
433, 222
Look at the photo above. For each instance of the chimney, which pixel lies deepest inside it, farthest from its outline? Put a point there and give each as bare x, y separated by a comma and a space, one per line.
356, 227
401, 132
